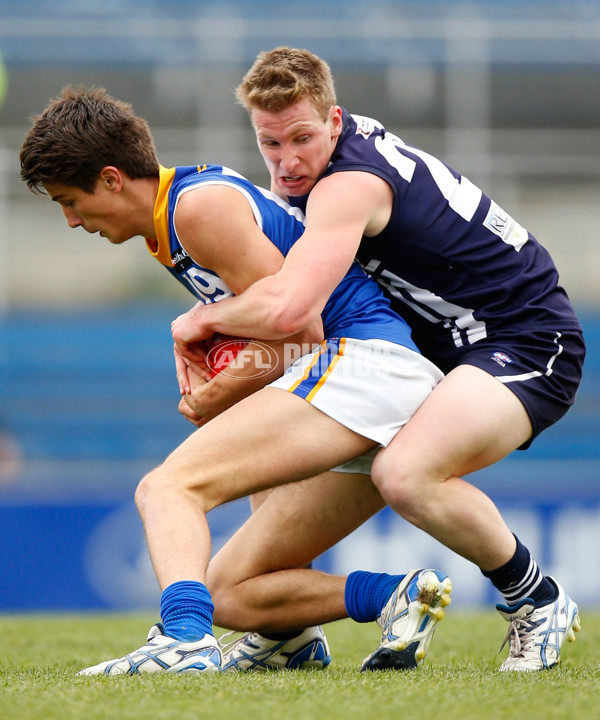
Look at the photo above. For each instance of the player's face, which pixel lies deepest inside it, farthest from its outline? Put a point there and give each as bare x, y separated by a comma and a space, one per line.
101, 211
296, 145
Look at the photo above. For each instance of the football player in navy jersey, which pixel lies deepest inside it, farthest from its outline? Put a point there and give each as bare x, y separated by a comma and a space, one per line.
481, 294
217, 234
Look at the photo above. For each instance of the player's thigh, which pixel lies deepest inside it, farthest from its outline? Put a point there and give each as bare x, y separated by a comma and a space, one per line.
470, 421
268, 439
295, 524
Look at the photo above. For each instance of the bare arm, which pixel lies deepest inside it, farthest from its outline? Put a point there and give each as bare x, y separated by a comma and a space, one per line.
217, 228
341, 209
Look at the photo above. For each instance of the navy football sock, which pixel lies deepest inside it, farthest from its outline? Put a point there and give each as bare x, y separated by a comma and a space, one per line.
521, 578
186, 611
367, 593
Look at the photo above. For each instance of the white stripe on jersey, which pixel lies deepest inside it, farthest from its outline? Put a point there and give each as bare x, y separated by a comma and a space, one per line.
201, 183
290, 209
460, 321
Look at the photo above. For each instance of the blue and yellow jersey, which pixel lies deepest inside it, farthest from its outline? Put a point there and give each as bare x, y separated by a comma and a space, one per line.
357, 308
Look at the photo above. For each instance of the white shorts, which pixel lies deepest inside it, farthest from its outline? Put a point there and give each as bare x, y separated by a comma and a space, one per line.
372, 387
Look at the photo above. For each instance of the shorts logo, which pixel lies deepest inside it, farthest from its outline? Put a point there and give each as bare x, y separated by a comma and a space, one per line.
501, 358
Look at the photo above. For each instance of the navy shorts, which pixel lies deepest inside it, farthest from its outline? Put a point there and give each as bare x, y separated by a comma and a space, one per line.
543, 369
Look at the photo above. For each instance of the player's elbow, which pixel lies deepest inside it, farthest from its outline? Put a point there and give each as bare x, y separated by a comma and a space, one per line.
285, 322
288, 315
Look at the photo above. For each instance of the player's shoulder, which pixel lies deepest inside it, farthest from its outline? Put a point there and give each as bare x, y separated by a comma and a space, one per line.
209, 185
360, 144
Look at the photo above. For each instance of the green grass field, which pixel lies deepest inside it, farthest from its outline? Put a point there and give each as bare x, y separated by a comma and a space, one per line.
40, 655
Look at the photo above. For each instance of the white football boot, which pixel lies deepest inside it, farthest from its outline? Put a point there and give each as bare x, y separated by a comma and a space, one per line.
164, 654
254, 652
537, 634
409, 619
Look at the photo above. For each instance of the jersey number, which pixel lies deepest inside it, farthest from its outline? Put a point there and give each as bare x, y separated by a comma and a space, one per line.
462, 196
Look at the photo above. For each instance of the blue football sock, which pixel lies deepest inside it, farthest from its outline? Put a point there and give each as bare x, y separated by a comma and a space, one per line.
367, 593
186, 611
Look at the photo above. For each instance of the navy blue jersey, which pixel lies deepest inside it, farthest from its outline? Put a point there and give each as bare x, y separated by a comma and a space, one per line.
456, 265
357, 308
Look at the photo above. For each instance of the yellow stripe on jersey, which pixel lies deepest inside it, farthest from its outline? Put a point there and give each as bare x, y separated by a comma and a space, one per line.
161, 218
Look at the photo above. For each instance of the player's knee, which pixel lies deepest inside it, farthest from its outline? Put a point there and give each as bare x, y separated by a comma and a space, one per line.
151, 488
167, 481
142, 492
400, 487
225, 600
228, 600
237, 607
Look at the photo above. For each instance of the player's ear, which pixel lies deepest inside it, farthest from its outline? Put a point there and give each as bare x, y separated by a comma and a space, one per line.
335, 117
112, 178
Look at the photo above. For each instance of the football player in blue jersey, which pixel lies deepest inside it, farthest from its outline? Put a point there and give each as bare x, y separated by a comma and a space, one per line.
481, 294
218, 234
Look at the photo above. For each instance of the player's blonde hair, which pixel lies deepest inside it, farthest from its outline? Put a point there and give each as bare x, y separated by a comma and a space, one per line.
282, 77
79, 133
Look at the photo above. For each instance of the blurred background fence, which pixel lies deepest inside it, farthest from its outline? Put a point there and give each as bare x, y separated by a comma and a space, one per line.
507, 92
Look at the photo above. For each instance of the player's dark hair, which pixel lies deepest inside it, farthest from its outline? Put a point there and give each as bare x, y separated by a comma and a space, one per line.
282, 77
81, 132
